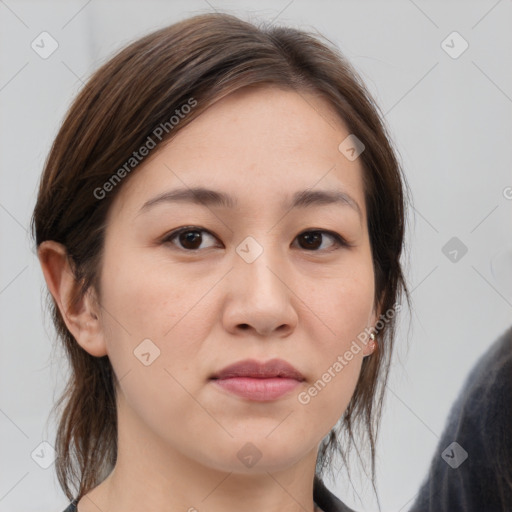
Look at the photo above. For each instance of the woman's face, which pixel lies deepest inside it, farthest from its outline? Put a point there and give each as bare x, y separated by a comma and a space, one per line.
248, 281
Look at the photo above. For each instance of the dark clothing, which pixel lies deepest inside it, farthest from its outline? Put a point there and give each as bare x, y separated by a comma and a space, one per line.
324, 498
480, 422
72, 506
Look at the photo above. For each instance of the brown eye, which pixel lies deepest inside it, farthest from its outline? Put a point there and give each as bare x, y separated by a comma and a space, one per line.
189, 238
312, 240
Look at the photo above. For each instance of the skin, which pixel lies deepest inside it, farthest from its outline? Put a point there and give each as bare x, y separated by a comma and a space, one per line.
179, 434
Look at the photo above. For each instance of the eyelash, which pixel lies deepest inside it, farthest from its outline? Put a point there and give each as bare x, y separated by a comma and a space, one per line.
339, 241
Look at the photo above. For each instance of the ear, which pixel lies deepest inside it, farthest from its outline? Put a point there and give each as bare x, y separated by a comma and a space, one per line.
82, 320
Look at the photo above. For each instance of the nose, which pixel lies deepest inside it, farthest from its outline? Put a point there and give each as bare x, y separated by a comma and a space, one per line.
260, 297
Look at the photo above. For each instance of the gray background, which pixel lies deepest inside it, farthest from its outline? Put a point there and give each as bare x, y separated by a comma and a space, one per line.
451, 122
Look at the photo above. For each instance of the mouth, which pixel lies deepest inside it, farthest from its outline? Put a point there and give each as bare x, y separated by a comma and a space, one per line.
258, 381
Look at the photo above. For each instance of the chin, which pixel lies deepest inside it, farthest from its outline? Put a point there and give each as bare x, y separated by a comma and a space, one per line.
258, 454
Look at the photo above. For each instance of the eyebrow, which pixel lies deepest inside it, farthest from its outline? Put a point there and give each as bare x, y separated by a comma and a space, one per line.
301, 199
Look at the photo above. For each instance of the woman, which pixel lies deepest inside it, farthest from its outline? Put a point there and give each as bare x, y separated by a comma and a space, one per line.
220, 223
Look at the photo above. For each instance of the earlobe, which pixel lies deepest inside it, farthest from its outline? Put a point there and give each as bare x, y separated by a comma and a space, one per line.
82, 319
371, 342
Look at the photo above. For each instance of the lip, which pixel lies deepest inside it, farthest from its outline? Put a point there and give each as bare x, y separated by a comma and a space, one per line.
259, 381
259, 370
258, 390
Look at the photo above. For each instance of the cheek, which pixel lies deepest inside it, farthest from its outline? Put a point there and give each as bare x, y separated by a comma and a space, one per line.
150, 311
342, 307
147, 300
152, 328
337, 369
340, 303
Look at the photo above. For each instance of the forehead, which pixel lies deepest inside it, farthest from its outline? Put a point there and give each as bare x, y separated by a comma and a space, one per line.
256, 144
266, 114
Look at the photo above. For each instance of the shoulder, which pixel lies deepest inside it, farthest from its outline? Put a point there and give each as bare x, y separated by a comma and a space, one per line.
326, 500
473, 469
480, 417
72, 506
488, 387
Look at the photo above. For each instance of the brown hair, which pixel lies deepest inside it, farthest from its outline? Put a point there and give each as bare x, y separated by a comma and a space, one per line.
204, 57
